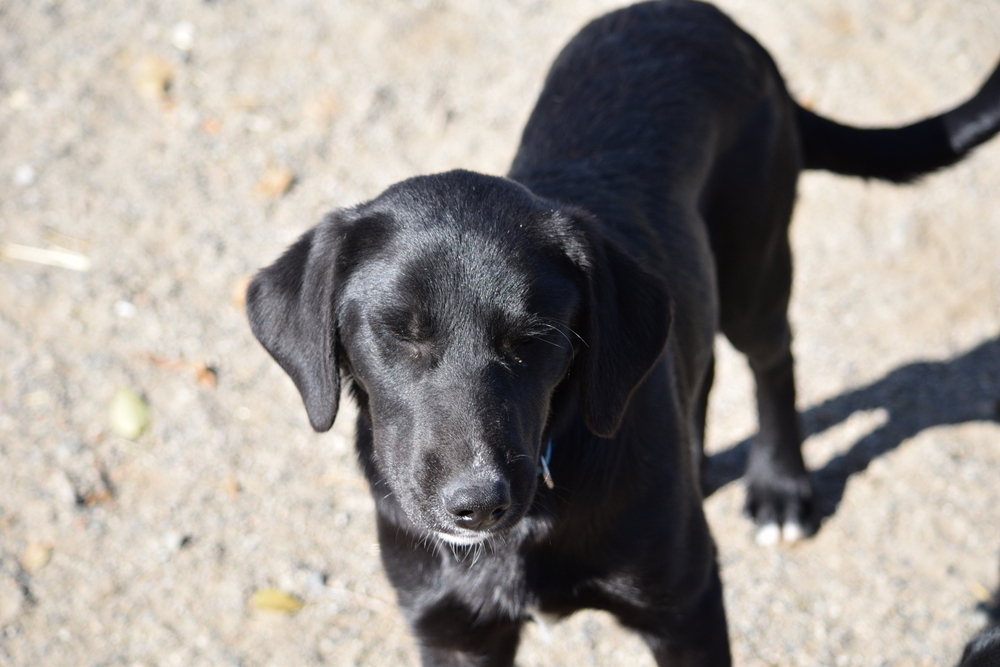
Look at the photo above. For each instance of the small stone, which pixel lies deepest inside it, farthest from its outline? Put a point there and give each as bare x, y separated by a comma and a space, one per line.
125, 309
175, 541
24, 175
182, 35
36, 555
129, 414
152, 77
19, 99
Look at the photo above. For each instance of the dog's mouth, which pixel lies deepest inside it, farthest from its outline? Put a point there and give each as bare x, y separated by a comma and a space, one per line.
468, 532
491, 517
462, 537
463, 540
475, 504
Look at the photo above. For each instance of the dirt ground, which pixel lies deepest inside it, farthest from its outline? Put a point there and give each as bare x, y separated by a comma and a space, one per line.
177, 147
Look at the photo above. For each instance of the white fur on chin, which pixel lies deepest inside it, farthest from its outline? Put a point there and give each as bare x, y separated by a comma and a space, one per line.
459, 540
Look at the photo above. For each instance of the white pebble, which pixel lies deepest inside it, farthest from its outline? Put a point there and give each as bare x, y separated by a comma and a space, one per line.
24, 175
125, 310
182, 36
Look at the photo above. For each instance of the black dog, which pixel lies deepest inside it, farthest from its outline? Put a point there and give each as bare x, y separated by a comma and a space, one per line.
983, 650
532, 355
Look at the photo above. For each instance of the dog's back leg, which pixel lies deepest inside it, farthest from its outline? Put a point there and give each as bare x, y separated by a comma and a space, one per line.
748, 211
779, 494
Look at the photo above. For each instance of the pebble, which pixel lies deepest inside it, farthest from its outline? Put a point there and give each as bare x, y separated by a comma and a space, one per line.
24, 175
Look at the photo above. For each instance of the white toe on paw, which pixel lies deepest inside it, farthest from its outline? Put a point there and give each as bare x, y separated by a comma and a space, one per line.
792, 531
768, 534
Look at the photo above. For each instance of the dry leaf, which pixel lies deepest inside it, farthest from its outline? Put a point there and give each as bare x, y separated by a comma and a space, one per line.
982, 593
152, 77
99, 496
205, 375
165, 362
244, 102
211, 126
36, 555
231, 486
275, 182
321, 108
129, 414
275, 599
239, 294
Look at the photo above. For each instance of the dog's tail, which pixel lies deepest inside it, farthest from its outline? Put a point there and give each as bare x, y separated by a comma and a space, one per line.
901, 154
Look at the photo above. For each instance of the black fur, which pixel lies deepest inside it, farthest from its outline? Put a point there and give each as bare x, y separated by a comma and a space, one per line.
983, 650
479, 318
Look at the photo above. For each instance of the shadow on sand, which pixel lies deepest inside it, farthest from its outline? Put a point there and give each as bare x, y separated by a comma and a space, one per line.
916, 396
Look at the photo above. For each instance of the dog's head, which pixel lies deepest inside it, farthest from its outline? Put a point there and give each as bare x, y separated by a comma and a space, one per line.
458, 304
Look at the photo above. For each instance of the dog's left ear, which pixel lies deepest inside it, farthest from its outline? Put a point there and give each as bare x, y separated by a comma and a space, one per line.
626, 328
291, 311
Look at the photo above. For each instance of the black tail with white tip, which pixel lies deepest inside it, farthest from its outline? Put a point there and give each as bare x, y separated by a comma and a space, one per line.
901, 154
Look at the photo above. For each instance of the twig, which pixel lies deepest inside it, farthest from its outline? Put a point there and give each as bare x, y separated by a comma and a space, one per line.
59, 257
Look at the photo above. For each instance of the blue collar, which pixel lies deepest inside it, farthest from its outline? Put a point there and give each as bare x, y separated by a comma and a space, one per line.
543, 466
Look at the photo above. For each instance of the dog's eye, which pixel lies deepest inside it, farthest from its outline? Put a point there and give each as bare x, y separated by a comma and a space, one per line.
414, 349
411, 333
517, 349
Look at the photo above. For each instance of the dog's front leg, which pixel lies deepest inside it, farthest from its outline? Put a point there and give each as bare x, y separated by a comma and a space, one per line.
451, 632
459, 607
448, 640
693, 636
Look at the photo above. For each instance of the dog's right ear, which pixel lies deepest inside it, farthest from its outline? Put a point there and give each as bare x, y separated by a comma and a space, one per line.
290, 305
626, 322
630, 313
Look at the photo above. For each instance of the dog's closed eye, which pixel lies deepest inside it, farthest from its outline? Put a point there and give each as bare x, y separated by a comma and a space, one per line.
413, 332
531, 340
515, 350
417, 349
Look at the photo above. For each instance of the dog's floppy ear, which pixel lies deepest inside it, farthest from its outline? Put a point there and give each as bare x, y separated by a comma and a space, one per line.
627, 322
291, 311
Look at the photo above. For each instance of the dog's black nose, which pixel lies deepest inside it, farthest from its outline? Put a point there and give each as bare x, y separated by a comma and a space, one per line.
477, 505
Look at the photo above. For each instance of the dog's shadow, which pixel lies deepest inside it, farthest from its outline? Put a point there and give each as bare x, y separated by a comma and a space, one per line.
915, 397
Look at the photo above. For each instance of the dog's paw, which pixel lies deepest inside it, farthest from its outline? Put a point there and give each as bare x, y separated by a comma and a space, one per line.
771, 533
782, 508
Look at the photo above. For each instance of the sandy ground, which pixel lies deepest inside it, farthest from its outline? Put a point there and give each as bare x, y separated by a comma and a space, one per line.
179, 146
